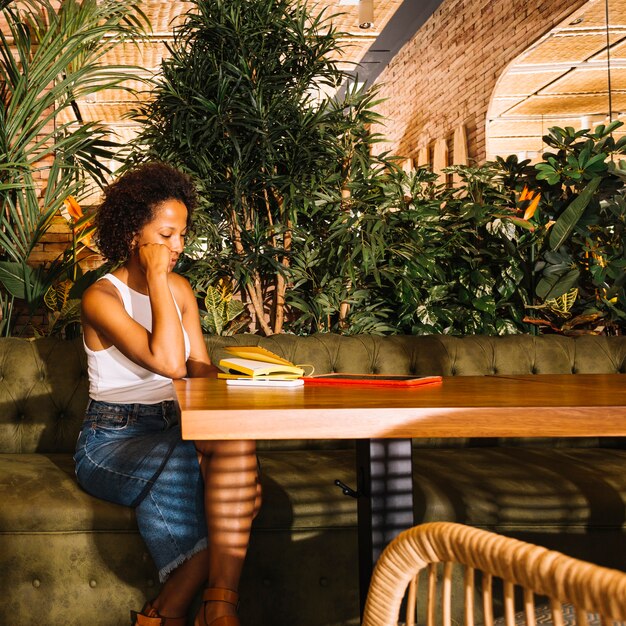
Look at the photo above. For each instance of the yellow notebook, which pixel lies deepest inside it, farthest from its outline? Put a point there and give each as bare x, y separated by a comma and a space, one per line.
256, 353
256, 362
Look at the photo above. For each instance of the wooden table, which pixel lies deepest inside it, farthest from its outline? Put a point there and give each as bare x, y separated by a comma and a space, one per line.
383, 421
462, 406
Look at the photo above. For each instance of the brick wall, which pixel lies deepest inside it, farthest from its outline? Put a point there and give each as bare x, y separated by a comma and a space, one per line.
445, 75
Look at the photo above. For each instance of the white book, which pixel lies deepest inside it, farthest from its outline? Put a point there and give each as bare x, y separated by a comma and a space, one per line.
264, 382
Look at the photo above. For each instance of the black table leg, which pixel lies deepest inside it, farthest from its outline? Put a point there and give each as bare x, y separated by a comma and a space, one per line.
385, 499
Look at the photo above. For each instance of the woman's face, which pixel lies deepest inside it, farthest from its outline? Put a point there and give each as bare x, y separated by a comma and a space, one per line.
168, 227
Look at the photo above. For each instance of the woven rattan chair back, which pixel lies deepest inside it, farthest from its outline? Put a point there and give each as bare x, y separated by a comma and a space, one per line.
526, 573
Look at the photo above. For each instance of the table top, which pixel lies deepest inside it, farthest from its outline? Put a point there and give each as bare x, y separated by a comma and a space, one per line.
574, 405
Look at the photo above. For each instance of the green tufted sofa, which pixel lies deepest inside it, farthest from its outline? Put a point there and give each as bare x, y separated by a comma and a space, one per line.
69, 559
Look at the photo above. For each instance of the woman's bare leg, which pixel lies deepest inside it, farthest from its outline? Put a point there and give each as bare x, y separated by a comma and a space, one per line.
229, 469
179, 590
232, 500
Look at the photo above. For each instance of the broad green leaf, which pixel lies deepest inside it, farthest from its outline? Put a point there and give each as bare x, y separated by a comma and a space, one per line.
233, 308
13, 277
567, 221
215, 310
554, 285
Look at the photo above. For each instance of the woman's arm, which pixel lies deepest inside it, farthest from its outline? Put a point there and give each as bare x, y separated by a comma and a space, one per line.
106, 322
199, 363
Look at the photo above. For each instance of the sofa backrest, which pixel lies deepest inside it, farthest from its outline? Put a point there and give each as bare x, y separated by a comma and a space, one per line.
44, 386
43, 394
442, 354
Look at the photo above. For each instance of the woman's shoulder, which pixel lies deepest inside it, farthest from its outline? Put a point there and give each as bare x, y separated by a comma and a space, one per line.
182, 290
101, 289
177, 281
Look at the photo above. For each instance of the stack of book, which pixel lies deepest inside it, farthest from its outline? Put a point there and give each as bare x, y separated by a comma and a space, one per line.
257, 365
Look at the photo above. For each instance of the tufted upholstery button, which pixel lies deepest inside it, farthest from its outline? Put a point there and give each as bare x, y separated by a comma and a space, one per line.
21, 417
42, 377
93, 583
534, 370
266, 582
145, 557
36, 583
323, 581
150, 583
61, 415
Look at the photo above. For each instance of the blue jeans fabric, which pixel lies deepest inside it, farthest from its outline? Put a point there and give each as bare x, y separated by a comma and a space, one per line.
133, 454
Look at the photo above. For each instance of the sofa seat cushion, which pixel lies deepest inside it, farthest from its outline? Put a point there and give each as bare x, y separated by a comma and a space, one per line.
522, 489
505, 489
39, 493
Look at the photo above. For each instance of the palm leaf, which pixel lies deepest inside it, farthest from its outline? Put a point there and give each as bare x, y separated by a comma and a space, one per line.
49, 56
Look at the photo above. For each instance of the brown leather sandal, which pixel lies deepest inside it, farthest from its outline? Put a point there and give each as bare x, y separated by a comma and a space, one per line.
144, 619
217, 594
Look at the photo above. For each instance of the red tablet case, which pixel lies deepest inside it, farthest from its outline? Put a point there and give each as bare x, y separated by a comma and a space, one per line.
379, 380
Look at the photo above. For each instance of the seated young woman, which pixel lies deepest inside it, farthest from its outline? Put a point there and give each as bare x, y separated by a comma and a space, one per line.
194, 501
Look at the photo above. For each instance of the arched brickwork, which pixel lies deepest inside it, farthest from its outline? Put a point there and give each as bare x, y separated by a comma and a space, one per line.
444, 76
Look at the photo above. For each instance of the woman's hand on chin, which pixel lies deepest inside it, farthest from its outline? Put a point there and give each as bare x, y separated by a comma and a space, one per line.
154, 258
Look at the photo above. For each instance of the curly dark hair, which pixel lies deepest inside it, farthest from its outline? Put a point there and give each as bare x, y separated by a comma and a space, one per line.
130, 201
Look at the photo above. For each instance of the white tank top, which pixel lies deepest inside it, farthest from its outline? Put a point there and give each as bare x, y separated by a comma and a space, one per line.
115, 378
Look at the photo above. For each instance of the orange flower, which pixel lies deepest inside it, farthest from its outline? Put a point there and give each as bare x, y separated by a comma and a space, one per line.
532, 207
72, 211
532, 198
600, 260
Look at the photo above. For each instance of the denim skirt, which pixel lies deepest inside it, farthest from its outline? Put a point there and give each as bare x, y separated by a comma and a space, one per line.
133, 454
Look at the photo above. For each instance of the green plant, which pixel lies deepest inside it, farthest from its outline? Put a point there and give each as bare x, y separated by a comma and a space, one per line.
581, 259
63, 311
412, 256
49, 57
239, 106
489, 235
222, 310
62, 298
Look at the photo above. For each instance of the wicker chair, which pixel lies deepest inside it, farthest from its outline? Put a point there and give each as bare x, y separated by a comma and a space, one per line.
527, 572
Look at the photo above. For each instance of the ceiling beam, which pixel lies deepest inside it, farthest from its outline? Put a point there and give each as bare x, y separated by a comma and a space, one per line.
405, 22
